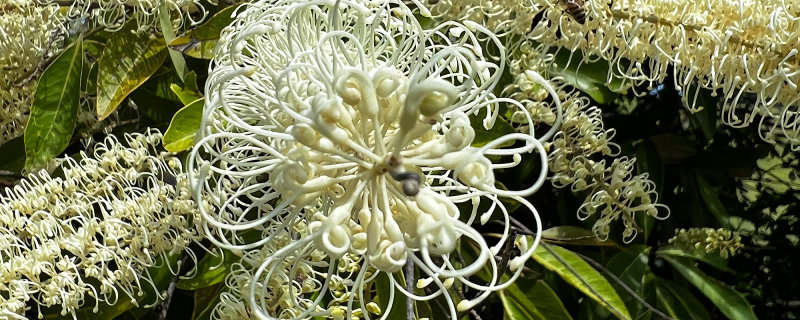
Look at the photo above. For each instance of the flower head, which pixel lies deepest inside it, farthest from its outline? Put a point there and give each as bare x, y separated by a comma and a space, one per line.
29, 35
351, 119
90, 235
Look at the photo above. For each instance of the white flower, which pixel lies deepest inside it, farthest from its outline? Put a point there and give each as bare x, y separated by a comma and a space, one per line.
348, 118
91, 235
113, 14
28, 36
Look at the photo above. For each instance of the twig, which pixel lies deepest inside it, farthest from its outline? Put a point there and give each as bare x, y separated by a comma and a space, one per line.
410, 287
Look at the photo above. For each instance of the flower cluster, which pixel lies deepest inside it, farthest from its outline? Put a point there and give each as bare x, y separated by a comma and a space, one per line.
735, 48
91, 234
580, 151
502, 17
727, 243
29, 35
113, 14
337, 146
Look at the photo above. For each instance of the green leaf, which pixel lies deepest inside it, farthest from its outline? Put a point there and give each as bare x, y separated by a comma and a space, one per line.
128, 60
211, 270
211, 29
512, 310
384, 291
189, 92
571, 235
630, 267
183, 128
55, 108
169, 33
199, 43
713, 203
205, 300
729, 301
589, 77
713, 259
594, 285
679, 302
538, 301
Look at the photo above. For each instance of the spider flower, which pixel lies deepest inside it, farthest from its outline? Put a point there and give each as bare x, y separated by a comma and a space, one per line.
113, 14
736, 48
89, 237
29, 35
351, 119
581, 151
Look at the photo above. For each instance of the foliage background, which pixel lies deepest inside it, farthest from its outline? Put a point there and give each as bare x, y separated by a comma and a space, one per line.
708, 174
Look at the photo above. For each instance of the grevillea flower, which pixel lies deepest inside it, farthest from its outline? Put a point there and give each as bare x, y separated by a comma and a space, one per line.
29, 35
342, 129
735, 48
113, 14
581, 154
89, 237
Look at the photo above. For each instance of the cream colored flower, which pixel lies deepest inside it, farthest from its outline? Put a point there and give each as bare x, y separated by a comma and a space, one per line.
581, 154
349, 118
29, 35
113, 14
735, 47
91, 235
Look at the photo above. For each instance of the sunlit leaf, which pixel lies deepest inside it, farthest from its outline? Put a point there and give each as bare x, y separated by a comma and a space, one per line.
537, 301
729, 301
582, 276
55, 108
182, 130
128, 60
189, 92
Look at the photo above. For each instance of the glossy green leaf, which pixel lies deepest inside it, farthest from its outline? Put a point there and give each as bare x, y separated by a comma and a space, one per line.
189, 92
572, 235
713, 203
182, 130
211, 269
55, 108
729, 301
128, 60
169, 33
384, 291
583, 277
678, 302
